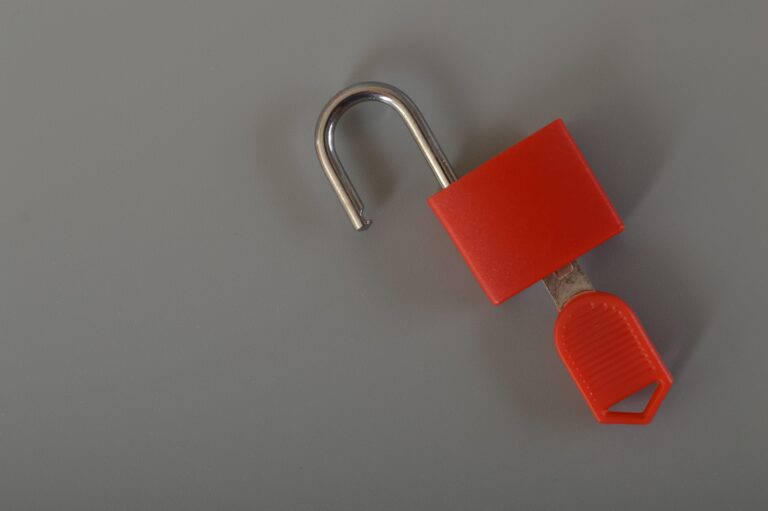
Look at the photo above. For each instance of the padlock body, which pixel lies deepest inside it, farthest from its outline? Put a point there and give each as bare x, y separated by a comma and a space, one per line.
526, 212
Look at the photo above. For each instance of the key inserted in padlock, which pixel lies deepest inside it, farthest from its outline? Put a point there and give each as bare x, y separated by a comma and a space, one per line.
523, 216
605, 348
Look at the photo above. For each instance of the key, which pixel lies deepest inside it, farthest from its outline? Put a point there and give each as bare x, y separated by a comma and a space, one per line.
605, 348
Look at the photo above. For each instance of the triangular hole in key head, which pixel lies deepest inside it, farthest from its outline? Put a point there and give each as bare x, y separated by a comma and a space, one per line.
637, 402
639, 407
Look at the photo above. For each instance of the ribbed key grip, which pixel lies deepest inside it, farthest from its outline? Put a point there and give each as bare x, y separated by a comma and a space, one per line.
609, 355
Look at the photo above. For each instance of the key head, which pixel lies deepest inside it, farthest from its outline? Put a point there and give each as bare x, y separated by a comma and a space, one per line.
609, 356
526, 212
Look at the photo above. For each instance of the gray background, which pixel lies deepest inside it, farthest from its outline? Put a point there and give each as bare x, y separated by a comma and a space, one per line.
189, 322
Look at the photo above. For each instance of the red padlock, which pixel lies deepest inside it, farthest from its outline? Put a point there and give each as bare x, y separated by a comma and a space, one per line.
523, 216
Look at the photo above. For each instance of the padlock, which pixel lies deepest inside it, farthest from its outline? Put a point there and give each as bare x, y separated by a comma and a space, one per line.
526, 215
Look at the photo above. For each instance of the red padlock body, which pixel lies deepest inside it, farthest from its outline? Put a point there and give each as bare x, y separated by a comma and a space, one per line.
527, 212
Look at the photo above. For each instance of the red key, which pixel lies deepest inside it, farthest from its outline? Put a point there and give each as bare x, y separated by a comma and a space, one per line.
609, 356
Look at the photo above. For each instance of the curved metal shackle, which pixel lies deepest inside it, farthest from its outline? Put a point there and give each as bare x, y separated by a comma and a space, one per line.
326, 151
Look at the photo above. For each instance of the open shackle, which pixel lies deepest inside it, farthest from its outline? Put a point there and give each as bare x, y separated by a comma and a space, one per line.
408, 111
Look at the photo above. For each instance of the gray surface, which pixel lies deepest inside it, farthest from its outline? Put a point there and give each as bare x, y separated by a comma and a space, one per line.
189, 322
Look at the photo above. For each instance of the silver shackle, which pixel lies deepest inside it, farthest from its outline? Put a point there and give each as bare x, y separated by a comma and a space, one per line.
406, 108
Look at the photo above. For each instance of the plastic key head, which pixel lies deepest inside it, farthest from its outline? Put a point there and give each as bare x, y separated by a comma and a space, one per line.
609, 356
526, 212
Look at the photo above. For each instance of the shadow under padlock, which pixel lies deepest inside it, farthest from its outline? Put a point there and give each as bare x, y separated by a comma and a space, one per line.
523, 216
